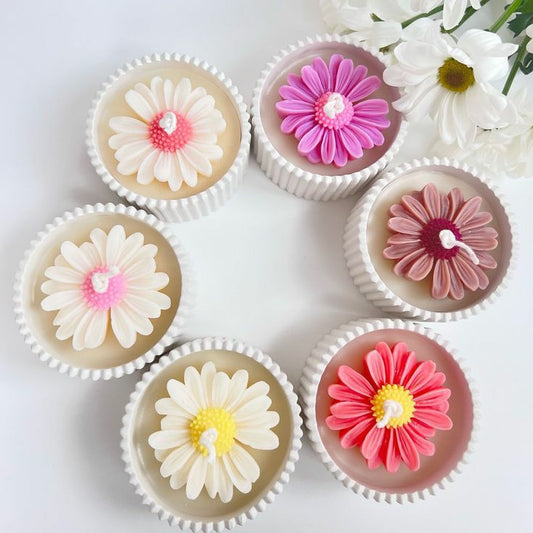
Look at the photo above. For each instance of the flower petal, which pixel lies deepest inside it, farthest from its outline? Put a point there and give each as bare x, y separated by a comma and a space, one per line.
197, 477
355, 381
372, 442
407, 449
440, 286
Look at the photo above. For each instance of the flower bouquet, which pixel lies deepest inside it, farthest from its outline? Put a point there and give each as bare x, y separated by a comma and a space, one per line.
464, 78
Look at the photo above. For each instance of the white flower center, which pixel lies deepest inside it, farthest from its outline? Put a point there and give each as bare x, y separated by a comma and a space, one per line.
393, 409
207, 440
334, 105
100, 280
448, 241
168, 122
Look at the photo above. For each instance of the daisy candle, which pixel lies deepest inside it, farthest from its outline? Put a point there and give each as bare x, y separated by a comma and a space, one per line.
431, 239
211, 434
323, 119
171, 134
388, 408
102, 291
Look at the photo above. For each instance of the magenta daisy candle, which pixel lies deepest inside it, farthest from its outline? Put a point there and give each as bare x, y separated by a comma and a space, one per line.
388, 408
102, 291
323, 119
211, 434
171, 134
431, 239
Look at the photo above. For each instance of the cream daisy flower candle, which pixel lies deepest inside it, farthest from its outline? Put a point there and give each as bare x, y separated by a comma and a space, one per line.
112, 279
389, 409
323, 118
431, 239
171, 134
207, 419
211, 434
102, 291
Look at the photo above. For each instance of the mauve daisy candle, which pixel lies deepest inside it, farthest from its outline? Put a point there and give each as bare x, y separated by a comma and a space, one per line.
431, 239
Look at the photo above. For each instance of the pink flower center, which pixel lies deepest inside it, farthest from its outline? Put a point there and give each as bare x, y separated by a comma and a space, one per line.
430, 238
333, 110
175, 137
103, 291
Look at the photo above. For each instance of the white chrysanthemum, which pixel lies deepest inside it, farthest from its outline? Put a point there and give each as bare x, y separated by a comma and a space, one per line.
111, 277
502, 152
454, 10
529, 33
209, 422
450, 81
357, 17
176, 138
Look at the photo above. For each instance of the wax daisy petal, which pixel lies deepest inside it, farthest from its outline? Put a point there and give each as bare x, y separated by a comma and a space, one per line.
205, 425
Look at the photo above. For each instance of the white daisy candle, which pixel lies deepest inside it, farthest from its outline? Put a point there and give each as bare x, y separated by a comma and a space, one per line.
388, 408
211, 434
323, 118
102, 291
171, 134
431, 239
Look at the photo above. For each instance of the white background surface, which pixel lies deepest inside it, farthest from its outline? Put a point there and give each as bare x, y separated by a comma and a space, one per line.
270, 269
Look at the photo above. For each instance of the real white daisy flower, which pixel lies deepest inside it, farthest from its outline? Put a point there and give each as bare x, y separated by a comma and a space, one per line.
502, 152
454, 10
358, 18
451, 80
209, 422
112, 278
175, 137
355, 17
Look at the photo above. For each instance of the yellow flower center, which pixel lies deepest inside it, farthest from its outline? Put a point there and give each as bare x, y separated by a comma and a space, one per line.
392, 406
213, 418
456, 76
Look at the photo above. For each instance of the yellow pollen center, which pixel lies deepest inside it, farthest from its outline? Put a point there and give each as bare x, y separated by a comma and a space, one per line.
219, 419
398, 394
456, 76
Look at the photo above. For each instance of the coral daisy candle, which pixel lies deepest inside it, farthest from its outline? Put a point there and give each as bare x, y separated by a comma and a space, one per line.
102, 291
211, 434
430, 239
323, 119
167, 129
388, 408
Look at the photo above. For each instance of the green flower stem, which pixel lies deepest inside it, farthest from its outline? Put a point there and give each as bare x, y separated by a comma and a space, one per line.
434, 11
516, 65
468, 13
509, 10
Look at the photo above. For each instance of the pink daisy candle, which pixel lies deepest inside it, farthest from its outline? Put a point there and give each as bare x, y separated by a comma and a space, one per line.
388, 408
328, 109
392, 409
323, 120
